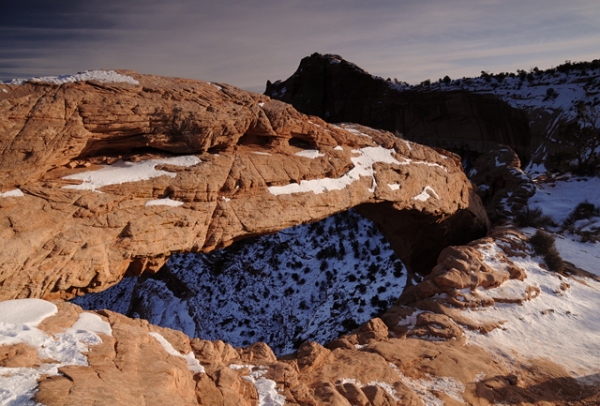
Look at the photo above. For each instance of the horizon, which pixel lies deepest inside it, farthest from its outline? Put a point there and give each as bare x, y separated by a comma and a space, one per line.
247, 44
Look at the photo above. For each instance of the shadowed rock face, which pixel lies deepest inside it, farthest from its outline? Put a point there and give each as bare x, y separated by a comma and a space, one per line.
339, 91
232, 163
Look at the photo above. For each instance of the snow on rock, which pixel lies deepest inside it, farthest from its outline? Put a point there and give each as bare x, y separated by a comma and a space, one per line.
123, 172
426, 194
27, 312
267, 389
92, 322
394, 186
105, 76
309, 153
18, 324
163, 202
363, 166
190, 359
427, 387
12, 193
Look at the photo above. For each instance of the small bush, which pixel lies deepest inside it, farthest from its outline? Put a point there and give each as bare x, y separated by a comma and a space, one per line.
554, 261
560, 161
542, 242
584, 210
532, 218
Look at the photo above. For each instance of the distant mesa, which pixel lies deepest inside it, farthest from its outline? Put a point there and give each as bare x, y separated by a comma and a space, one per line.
339, 91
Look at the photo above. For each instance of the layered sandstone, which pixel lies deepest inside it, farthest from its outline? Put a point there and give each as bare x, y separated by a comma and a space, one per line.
338, 91
417, 353
227, 164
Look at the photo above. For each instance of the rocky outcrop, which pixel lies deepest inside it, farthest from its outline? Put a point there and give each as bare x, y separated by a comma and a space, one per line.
105, 178
338, 91
417, 353
501, 183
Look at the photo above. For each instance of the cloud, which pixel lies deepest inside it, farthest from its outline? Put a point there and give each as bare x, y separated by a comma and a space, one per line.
246, 43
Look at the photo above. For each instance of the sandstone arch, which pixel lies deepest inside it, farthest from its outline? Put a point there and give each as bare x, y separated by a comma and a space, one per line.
60, 242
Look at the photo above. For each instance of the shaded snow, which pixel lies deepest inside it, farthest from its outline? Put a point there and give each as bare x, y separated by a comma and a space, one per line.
558, 199
310, 282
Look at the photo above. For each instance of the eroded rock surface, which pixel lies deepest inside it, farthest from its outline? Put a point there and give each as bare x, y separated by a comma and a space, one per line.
228, 164
419, 352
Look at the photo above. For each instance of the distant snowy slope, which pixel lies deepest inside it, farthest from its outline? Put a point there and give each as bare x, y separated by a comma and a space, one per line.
313, 281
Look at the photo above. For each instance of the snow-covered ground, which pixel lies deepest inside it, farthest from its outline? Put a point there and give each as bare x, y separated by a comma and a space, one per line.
19, 320
562, 324
553, 92
313, 281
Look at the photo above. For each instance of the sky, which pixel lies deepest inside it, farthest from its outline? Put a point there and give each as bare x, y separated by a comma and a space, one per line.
246, 43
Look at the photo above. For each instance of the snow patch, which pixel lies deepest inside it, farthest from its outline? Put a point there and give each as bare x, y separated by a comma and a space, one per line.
363, 166
12, 193
104, 76
426, 387
124, 172
18, 324
309, 153
426, 194
267, 389
338, 148
192, 362
92, 322
163, 202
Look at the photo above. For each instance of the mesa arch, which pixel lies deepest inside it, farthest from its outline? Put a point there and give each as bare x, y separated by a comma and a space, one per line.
228, 164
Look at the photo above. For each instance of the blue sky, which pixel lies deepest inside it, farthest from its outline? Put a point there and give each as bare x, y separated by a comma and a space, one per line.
246, 43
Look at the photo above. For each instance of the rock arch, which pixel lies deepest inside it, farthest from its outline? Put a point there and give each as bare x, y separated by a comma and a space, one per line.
201, 189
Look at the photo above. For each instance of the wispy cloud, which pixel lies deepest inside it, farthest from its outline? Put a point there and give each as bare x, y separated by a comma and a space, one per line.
247, 43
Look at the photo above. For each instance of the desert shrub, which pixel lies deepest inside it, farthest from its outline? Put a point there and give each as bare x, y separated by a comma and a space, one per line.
560, 161
554, 261
581, 137
542, 242
584, 210
532, 218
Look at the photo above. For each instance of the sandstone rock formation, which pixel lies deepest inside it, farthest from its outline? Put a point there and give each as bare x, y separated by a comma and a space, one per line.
338, 91
501, 183
227, 164
417, 353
